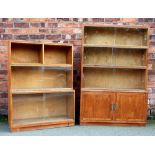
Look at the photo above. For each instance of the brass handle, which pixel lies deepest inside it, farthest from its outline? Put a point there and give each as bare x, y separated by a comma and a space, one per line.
114, 106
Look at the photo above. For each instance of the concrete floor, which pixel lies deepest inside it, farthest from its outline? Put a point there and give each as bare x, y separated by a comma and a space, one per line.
77, 130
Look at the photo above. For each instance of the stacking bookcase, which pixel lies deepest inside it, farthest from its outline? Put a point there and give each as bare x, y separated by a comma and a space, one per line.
41, 91
114, 75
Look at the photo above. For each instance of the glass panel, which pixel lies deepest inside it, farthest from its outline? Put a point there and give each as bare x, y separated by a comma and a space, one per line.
129, 57
115, 36
131, 37
114, 78
41, 77
98, 56
42, 108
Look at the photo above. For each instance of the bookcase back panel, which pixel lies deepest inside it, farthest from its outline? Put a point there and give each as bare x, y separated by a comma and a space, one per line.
114, 78
26, 53
57, 55
137, 37
41, 106
129, 57
103, 36
36, 77
115, 36
113, 56
98, 56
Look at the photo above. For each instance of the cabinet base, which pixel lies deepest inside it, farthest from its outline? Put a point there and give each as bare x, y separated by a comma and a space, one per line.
114, 123
41, 126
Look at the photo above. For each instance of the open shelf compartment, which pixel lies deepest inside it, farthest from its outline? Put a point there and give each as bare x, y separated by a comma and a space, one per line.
54, 54
25, 53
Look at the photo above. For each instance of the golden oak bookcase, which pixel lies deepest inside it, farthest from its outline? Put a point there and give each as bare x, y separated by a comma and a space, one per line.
41, 91
114, 75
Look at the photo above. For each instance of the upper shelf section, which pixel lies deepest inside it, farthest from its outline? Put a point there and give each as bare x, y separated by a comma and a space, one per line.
41, 54
125, 37
26, 53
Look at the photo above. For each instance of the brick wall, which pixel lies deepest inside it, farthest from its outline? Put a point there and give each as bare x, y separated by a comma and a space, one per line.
67, 30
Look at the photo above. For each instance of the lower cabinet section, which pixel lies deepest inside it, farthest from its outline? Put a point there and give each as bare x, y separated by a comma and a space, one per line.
113, 108
42, 110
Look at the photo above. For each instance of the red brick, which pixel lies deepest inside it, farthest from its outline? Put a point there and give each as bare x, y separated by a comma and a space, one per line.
3, 48
40, 19
2, 30
4, 42
4, 66
62, 19
112, 19
52, 25
131, 20
21, 37
53, 36
37, 36
22, 31
148, 20
6, 36
66, 25
63, 30
6, 25
44, 30
3, 95
21, 25
42, 24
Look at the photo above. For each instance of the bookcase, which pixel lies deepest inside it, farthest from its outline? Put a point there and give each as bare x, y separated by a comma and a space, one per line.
114, 75
41, 91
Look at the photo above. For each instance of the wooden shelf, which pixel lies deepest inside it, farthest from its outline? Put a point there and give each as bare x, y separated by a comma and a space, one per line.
114, 75
114, 67
36, 121
42, 90
113, 89
115, 46
41, 65
117, 26
41, 93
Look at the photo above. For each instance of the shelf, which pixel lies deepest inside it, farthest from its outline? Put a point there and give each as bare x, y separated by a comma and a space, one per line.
41, 65
43, 90
36, 121
114, 67
117, 26
113, 89
116, 46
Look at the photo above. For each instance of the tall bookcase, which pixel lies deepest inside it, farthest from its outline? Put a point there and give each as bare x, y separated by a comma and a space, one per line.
114, 75
41, 91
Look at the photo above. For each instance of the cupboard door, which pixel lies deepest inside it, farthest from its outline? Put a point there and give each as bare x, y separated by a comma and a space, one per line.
131, 107
96, 106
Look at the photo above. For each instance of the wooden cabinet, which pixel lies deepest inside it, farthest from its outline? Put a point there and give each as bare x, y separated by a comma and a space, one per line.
114, 63
97, 106
131, 107
113, 107
41, 91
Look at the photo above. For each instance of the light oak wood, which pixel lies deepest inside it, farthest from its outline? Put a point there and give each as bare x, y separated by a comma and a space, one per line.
97, 106
114, 78
26, 53
115, 36
114, 63
57, 55
41, 91
131, 107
